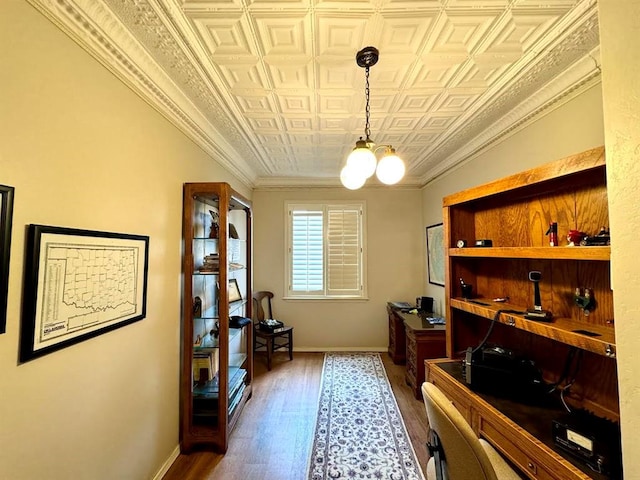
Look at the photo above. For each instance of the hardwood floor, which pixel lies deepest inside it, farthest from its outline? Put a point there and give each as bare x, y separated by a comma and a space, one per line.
273, 437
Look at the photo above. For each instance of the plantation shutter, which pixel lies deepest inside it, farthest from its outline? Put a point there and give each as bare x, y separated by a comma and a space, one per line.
344, 250
307, 259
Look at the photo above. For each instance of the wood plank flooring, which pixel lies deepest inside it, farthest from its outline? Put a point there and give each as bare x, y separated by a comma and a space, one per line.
273, 437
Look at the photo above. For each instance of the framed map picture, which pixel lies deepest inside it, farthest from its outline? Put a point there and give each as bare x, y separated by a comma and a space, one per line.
435, 254
80, 284
6, 214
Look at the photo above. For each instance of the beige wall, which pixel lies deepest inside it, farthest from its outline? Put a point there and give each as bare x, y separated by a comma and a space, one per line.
394, 259
619, 26
570, 127
83, 151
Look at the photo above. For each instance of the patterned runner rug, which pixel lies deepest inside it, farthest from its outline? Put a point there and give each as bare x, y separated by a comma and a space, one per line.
359, 431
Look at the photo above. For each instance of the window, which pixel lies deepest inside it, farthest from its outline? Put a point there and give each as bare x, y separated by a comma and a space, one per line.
325, 250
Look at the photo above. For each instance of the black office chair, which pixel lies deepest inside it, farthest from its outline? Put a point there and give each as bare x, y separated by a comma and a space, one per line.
272, 341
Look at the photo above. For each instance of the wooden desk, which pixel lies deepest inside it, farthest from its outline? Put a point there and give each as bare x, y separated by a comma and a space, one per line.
423, 341
522, 433
397, 338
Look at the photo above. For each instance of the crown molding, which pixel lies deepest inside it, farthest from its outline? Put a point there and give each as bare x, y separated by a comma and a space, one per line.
579, 77
97, 30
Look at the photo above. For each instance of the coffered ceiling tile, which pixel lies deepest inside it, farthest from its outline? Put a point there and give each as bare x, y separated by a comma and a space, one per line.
416, 101
515, 33
208, 5
277, 138
457, 100
256, 104
341, 34
290, 74
341, 139
339, 123
342, 75
421, 138
482, 72
244, 76
264, 124
404, 32
295, 104
459, 32
437, 121
335, 102
283, 34
276, 4
402, 123
228, 34
436, 71
299, 123
546, 3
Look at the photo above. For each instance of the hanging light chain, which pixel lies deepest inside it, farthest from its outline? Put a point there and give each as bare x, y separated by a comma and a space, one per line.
367, 127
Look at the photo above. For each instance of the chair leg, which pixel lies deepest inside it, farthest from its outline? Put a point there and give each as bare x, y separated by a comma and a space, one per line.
290, 345
269, 352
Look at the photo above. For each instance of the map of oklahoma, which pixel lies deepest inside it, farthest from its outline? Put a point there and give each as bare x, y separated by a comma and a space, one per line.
86, 286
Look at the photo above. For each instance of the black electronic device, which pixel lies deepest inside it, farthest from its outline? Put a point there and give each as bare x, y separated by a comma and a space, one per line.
500, 371
484, 243
592, 440
537, 313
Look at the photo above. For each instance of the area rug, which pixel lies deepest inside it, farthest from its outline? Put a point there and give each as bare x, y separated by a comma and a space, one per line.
359, 431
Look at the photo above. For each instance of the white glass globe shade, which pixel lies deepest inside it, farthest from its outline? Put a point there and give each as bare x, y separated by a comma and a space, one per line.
390, 169
362, 160
351, 178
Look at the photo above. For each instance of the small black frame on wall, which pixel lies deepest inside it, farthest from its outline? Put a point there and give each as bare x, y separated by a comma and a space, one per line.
435, 253
6, 215
79, 284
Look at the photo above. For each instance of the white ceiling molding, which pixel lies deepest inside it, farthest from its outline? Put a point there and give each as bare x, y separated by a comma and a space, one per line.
94, 27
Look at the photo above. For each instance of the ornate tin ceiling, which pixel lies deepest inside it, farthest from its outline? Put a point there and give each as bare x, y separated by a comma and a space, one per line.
272, 91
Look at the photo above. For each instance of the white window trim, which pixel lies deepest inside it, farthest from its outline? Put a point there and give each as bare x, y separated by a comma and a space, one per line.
361, 205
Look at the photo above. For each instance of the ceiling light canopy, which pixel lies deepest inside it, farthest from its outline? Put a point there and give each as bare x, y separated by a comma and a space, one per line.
362, 162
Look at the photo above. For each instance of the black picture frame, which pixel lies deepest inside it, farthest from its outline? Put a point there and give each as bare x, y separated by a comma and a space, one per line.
6, 218
234, 291
79, 284
435, 254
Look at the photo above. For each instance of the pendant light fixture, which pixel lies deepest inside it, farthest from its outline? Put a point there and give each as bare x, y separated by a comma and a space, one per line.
362, 162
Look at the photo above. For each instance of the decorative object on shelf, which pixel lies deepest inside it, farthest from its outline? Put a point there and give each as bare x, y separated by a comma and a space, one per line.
197, 307
57, 263
362, 161
553, 234
574, 237
601, 239
466, 288
484, 243
211, 263
435, 254
461, 243
234, 291
215, 224
233, 233
537, 313
583, 298
6, 215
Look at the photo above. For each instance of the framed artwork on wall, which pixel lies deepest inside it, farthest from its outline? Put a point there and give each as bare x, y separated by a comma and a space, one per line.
435, 254
79, 284
6, 215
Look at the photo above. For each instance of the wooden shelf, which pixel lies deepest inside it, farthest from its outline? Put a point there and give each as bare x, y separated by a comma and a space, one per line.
550, 253
563, 330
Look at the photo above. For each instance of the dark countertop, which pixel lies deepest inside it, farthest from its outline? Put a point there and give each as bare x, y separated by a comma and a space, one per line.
419, 321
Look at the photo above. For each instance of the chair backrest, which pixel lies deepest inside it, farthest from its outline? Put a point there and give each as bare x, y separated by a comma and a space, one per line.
464, 456
258, 307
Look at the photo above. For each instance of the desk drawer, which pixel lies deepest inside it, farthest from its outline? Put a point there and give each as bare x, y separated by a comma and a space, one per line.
509, 449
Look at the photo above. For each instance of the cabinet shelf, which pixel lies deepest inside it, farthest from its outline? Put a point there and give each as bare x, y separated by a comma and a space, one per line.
597, 339
515, 212
549, 253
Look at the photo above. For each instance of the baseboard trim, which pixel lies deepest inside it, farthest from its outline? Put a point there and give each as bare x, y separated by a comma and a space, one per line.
167, 464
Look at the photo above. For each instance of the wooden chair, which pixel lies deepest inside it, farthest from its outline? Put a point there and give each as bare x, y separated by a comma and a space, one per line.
461, 454
264, 339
